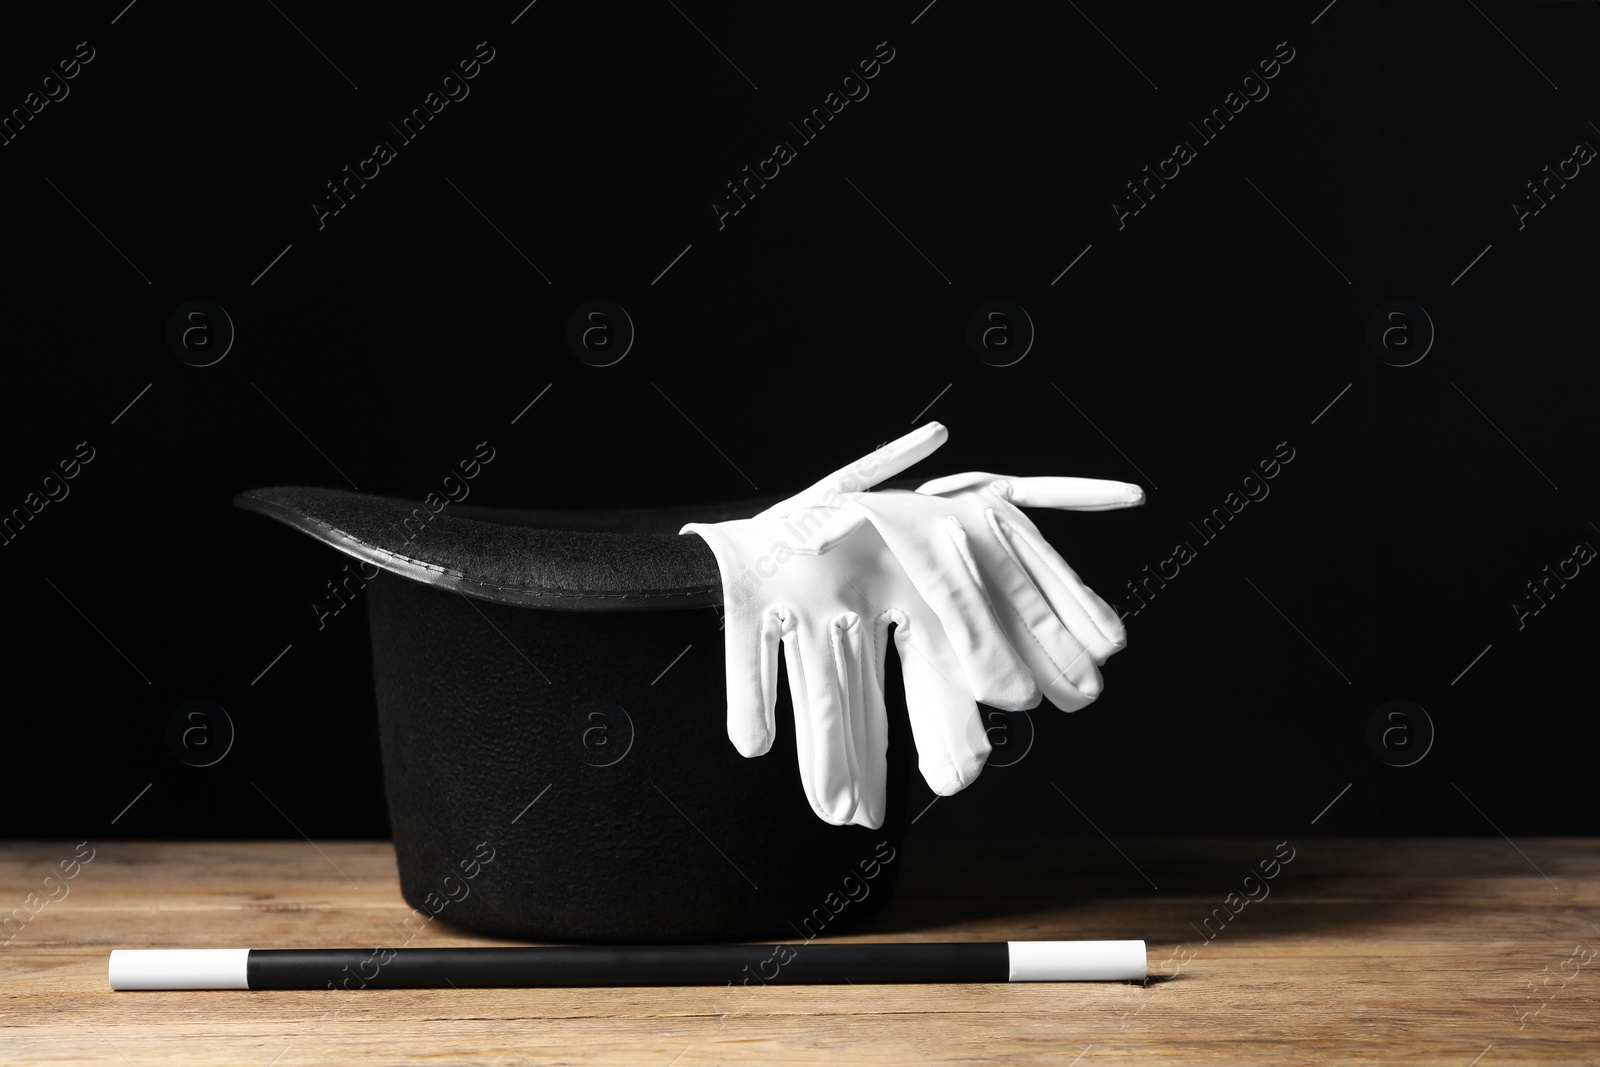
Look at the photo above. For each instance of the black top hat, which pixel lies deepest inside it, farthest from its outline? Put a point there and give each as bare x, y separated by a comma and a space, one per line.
552, 714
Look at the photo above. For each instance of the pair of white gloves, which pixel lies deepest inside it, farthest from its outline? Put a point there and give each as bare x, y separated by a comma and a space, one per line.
984, 610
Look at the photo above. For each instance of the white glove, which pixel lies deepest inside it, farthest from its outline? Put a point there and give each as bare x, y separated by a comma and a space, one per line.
979, 562
984, 568
985, 609
829, 591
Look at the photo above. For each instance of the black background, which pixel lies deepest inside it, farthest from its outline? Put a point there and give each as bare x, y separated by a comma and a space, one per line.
1178, 351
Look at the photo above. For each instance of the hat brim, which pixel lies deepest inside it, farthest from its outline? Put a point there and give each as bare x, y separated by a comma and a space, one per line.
612, 560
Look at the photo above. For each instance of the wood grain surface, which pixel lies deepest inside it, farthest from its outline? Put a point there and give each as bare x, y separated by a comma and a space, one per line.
1459, 952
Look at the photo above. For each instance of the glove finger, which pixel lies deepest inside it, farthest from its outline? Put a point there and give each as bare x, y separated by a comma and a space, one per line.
860, 666
876, 466
1072, 494
952, 483
800, 686
1065, 670
951, 742
1065, 494
947, 576
750, 656
752, 673
995, 673
1092, 621
824, 739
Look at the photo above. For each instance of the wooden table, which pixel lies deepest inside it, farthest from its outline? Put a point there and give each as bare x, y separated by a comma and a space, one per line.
1441, 951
